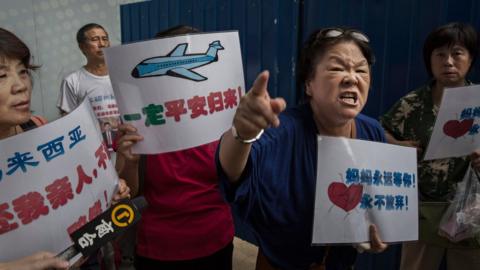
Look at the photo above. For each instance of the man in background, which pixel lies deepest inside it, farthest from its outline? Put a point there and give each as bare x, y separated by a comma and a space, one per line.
90, 81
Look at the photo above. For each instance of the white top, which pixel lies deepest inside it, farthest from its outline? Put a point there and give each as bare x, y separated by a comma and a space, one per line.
81, 84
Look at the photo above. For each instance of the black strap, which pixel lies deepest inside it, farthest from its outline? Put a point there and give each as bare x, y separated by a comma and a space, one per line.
28, 125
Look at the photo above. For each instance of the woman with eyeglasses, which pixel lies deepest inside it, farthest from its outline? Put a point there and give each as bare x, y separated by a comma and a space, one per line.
267, 161
449, 52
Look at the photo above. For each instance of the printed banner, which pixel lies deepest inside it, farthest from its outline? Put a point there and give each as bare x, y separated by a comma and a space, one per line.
455, 133
106, 111
53, 180
361, 183
179, 92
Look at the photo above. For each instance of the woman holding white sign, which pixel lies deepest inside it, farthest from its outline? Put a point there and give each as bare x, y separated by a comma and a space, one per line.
15, 118
269, 174
448, 52
186, 209
15, 91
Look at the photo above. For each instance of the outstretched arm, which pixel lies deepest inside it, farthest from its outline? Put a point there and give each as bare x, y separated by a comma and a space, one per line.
255, 112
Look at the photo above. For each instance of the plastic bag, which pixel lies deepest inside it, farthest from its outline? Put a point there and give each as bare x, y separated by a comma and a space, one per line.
462, 218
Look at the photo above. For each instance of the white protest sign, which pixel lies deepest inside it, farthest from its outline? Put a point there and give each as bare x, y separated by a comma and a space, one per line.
456, 130
179, 92
105, 108
53, 179
361, 183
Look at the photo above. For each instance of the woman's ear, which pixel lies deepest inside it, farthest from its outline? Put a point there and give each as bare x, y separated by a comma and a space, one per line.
308, 90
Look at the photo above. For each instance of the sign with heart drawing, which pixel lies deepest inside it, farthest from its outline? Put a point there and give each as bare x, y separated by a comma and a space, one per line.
456, 130
345, 197
361, 183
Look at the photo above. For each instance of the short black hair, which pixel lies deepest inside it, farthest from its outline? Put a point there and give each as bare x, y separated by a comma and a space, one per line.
317, 44
177, 30
87, 27
450, 34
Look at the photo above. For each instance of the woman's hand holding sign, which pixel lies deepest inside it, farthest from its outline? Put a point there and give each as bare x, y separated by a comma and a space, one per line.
123, 192
39, 261
475, 160
376, 245
127, 162
128, 138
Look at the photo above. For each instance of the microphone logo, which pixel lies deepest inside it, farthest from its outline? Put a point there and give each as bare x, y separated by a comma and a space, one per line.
123, 215
105, 227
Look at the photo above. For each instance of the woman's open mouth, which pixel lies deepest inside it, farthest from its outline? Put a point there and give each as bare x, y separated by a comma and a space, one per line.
349, 98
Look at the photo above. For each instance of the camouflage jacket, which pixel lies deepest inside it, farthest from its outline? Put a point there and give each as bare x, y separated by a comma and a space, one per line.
413, 118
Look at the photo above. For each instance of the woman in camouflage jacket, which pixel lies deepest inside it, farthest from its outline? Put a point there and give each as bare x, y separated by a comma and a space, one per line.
449, 53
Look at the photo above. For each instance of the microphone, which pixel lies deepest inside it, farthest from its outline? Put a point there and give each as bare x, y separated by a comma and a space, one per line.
104, 228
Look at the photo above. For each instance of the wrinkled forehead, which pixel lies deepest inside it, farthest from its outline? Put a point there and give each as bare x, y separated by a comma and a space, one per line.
343, 51
96, 32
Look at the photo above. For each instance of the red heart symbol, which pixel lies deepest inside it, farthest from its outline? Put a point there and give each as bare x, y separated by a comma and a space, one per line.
345, 197
455, 128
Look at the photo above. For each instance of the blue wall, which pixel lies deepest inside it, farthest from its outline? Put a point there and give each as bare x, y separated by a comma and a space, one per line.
271, 32
259, 23
397, 30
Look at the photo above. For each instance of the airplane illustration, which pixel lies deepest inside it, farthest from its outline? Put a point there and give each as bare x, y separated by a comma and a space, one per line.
177, 63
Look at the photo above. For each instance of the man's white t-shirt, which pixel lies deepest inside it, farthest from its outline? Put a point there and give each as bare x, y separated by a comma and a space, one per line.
82, 84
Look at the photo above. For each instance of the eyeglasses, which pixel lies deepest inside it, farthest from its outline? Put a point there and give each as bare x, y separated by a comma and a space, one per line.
338, 32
